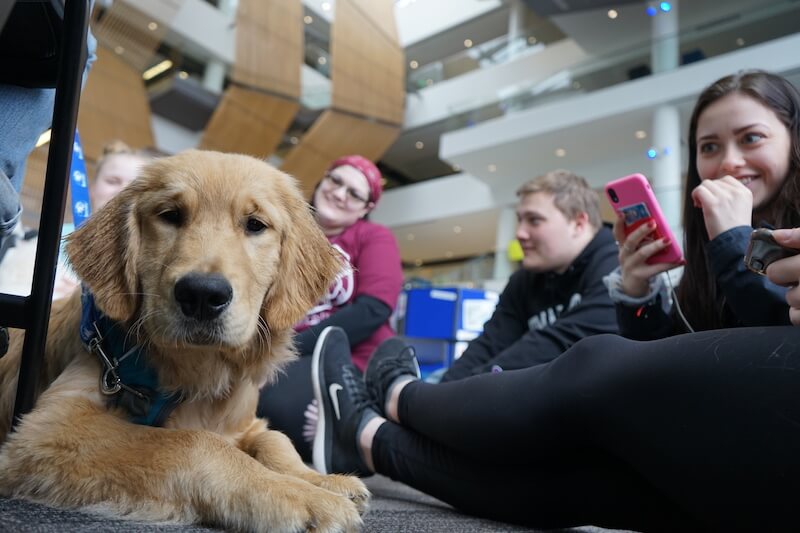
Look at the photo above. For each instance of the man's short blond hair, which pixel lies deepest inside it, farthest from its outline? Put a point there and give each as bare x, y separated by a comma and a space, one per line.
571, 194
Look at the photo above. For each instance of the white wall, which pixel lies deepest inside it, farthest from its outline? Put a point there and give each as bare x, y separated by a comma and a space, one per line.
419, 19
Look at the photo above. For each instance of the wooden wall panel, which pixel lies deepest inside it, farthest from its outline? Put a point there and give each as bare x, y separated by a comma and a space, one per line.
248, 122
333, 135
368, 71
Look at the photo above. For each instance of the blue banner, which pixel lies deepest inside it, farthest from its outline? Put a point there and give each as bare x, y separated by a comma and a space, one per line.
80, 184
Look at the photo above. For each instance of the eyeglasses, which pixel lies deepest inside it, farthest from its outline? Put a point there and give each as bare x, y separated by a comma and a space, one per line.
354, 198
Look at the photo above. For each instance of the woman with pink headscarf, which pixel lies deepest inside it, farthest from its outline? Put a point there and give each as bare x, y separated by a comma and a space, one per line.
360, 301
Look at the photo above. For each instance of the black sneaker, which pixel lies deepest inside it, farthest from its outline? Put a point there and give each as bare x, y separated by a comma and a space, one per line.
391, 360
342, 400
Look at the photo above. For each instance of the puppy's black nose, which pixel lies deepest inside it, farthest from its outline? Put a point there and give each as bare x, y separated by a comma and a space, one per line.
203, 296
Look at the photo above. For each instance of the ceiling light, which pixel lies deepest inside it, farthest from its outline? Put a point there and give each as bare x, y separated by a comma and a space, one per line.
641, 134
467, 43
560, 152
492, 168
419, 145
326, 6
321, 60
456, 229
413, 63
153, 26
157, 69
308, 19
612, 14
183, 74
294, 140
418, 262
119, 50
44, 138
410, 237
740, 41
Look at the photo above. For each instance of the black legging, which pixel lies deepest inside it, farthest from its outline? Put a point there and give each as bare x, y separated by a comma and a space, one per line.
284, 402
697, 431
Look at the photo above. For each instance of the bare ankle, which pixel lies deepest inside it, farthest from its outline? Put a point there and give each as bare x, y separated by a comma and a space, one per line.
365, 439
393, 398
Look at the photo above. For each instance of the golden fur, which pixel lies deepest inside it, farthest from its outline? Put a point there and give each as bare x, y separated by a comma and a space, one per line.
214, 462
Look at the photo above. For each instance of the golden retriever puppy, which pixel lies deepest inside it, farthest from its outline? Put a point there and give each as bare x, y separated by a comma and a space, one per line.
197, 272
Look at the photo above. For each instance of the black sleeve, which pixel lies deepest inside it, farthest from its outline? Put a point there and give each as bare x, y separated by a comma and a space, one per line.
593, 316
507, 324
359, 320
754, 299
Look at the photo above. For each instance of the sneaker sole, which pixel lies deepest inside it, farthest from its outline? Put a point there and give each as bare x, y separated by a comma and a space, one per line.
320, 456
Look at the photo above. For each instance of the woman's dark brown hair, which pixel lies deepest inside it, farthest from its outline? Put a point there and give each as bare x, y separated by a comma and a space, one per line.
698, 294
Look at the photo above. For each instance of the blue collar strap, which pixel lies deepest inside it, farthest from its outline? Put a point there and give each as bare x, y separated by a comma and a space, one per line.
127, 379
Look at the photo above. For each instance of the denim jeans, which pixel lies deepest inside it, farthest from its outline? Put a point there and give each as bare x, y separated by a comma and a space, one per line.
24, 115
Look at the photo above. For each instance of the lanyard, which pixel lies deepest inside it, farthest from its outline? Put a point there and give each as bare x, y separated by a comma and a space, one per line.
80, 185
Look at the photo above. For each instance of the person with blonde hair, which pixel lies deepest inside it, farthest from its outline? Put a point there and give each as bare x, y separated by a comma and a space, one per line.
116, 167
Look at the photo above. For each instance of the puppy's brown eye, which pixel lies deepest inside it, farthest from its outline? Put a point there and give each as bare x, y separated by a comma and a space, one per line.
171, 216
254, 226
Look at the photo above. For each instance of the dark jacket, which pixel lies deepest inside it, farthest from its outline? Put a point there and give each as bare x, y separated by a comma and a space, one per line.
540, 315
753, 300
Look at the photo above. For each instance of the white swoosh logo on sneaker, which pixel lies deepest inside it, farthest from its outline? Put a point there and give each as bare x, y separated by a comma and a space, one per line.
333, 390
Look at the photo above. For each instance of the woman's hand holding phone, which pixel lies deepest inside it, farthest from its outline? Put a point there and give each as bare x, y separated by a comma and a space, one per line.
634, 251
725, 202
787, 271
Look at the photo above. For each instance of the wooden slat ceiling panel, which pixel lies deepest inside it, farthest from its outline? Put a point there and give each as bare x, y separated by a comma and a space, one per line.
333, 135
381, 14
368, 63
256, 110
269, 45
248, 122
114, 105
124, 28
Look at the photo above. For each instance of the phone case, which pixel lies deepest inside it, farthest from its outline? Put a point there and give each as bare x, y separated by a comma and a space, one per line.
634, 199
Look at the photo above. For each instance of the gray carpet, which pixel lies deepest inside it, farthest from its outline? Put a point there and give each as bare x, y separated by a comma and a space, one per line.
395, 507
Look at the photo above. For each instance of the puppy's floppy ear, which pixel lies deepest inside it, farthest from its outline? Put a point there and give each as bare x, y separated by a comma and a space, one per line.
103, 253
308, 265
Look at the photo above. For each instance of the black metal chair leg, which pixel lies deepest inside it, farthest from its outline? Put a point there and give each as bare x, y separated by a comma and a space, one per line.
65, 112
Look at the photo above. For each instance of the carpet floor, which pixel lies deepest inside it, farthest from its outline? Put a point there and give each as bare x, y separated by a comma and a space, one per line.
395, 508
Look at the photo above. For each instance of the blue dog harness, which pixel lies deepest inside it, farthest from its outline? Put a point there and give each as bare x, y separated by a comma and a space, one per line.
127, 379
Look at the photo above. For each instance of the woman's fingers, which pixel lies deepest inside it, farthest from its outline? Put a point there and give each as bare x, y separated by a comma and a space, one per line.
787, 237
785, 272
794, 316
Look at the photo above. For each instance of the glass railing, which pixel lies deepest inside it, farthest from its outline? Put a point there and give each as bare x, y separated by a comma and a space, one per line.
696, 43
486, 54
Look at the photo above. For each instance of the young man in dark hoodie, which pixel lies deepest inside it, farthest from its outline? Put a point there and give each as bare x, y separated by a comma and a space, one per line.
558, 296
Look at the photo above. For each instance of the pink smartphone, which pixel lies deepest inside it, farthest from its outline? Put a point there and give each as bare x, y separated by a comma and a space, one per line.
633, 198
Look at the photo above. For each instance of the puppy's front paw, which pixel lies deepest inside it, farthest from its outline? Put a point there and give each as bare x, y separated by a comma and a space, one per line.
348, 486
329, 512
